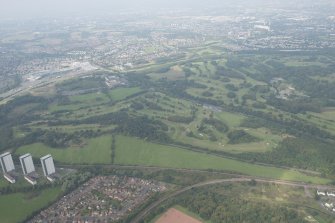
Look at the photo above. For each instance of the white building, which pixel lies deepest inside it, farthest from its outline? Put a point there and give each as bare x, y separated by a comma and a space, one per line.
321, 193
330, 205
27, 164
30, 180
331, 194
9, 178
48, 165
7, 163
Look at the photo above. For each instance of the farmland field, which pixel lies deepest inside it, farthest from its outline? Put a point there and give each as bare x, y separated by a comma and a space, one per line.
176, 216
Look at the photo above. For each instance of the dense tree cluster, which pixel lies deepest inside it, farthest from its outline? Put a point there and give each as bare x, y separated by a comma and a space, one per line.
295, 127
211, 205
217, 124
300, 153
229, 72
82, 84
241, 136
181, 119
72, 181
296, 105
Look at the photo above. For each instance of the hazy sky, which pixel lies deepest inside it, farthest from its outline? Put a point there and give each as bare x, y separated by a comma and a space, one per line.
16, 8
51, 7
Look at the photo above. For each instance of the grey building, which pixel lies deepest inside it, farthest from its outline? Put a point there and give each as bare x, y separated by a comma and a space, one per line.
27, 164
48, 165
7, 163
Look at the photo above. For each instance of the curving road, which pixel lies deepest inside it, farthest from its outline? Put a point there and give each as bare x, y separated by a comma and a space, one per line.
147, 210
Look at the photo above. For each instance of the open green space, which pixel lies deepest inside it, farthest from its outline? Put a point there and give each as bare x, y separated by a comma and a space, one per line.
175, 73
95, 99
20, 183
122, 93
3, 182
225, 104
231, 119
132, 151
223, 145
328, 114
95, 151
90, 99
18, 206
272, 202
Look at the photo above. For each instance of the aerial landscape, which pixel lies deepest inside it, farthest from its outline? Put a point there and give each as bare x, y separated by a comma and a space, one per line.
167, 112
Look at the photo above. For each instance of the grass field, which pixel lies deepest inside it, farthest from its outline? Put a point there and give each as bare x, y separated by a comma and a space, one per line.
232, 120
257, 147
95, 99
3, 182
96, 151
122, 93
17, 207
132, 151
91, 98
328, 114
175, 73
20, 183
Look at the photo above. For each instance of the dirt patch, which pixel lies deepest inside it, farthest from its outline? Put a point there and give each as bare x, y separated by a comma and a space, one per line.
175, 216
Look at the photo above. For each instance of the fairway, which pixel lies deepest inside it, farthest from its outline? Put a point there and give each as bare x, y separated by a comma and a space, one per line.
122, 93
132, 151
232, 120
96, 151
17, 207
95, 99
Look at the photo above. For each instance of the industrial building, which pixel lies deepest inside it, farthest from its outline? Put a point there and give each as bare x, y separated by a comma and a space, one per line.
48, 166
7, 166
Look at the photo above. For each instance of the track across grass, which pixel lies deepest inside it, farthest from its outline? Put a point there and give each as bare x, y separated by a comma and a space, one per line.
132, 151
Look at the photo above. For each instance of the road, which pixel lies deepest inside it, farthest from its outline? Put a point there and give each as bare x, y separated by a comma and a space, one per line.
146, 211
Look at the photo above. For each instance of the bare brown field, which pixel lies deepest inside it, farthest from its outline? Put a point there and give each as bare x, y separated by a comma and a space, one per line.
175, 216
